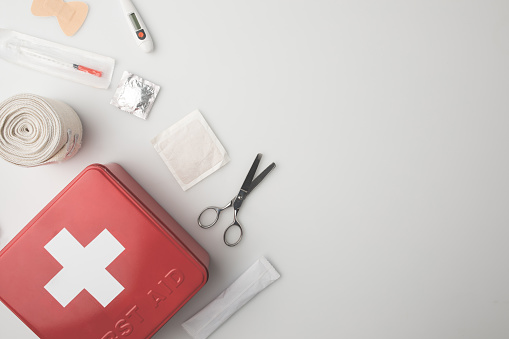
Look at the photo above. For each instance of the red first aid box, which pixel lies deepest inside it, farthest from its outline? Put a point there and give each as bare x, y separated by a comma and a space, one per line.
103, 260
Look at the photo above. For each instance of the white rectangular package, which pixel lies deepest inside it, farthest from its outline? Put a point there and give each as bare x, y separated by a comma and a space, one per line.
255, 279
190, 150
56, 59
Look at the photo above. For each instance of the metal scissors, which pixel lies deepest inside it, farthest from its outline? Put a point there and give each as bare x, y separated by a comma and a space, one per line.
248, 185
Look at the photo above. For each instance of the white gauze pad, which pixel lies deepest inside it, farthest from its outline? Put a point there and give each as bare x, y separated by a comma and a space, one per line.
191, 150
255, 279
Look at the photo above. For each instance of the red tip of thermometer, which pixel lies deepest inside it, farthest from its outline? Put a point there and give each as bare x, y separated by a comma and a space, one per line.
88, 70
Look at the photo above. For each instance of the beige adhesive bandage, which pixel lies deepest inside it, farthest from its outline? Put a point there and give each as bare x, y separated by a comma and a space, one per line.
70, 15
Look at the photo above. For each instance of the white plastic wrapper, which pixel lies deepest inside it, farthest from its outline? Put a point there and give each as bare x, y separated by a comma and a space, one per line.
135, 95
191, 150
55, 59
255, 279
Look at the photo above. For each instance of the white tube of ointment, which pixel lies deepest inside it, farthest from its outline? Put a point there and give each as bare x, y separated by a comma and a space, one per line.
256, 278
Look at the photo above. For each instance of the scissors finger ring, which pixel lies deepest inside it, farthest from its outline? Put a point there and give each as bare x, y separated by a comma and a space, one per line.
231, 244
217, 210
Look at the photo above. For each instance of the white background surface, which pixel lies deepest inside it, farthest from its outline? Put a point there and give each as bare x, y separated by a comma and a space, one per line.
387, 215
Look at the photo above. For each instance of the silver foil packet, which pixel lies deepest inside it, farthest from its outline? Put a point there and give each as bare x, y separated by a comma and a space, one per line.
135, 95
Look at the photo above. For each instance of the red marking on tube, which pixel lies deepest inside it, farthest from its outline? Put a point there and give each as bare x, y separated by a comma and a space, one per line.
88, 70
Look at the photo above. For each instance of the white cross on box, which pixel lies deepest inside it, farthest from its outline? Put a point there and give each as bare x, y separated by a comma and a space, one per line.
84, 267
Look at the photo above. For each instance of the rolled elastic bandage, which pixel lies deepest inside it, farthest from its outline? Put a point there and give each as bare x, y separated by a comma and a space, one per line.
35, 130
255, 279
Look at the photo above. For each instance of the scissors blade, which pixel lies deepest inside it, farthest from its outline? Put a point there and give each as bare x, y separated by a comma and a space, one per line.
261, 176
250, 175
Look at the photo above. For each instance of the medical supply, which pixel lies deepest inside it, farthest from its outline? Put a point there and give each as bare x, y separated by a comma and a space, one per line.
254, 280
70, 15
102, 260
59, 63
190, 150
248, 185
135, 95
56, 59
137, 26
35, 130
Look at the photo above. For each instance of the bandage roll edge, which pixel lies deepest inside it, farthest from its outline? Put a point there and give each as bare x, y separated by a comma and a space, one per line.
35, 130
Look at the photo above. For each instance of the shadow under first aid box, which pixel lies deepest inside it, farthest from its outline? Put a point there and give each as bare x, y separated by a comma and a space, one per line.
103, 260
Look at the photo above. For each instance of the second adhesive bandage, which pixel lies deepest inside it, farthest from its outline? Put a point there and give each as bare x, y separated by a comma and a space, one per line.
35, 130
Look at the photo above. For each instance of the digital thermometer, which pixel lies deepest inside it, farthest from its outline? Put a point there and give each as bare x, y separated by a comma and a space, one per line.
137, 26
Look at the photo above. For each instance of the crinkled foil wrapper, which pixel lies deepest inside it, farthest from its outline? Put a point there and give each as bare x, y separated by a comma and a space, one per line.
135, 95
